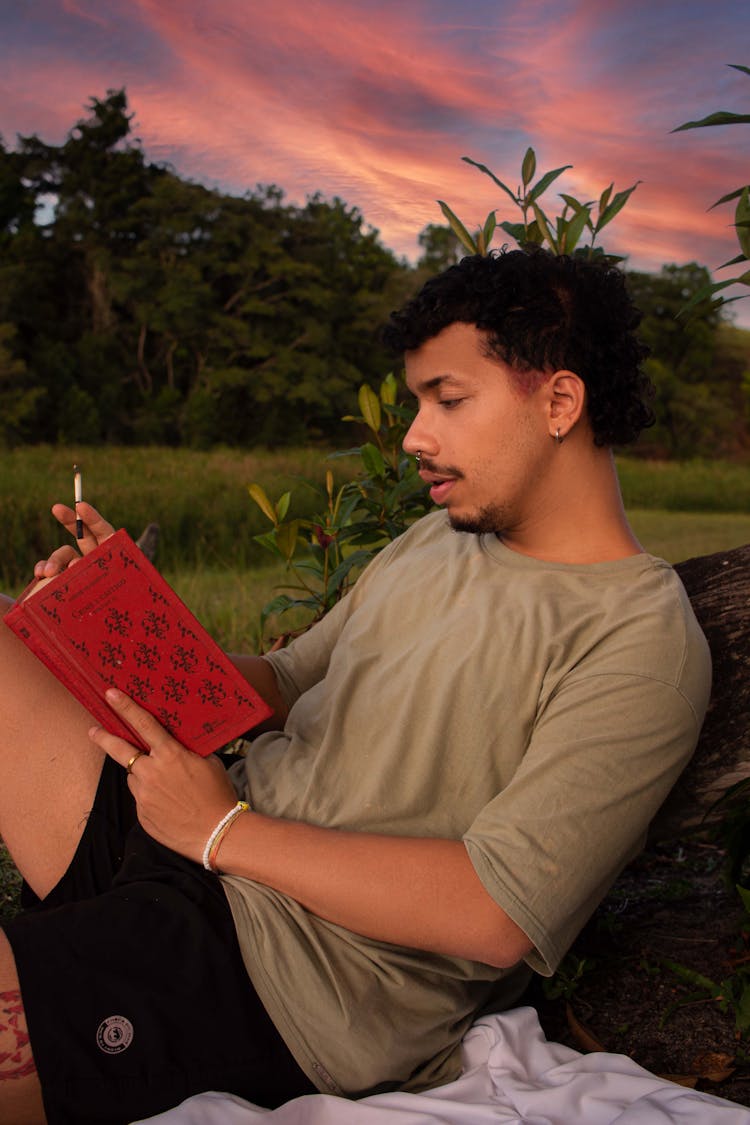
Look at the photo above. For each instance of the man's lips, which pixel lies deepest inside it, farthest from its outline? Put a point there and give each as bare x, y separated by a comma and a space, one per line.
439, 491
440, 483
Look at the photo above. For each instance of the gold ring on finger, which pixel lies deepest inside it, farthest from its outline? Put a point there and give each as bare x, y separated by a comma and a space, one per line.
138, 754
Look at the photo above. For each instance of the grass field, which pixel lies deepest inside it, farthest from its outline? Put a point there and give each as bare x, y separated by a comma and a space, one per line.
675, 536
208, 521
229, 600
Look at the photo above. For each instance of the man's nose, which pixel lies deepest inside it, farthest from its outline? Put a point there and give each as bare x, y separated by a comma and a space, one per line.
418, 439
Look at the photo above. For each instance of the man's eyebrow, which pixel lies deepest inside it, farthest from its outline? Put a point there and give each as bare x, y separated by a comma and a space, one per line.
432, 384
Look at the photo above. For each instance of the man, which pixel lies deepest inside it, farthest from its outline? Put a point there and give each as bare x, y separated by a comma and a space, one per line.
466, 751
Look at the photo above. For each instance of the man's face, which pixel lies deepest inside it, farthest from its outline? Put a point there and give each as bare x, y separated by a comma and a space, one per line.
485, 444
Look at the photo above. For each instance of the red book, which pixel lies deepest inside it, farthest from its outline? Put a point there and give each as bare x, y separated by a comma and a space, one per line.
112, 621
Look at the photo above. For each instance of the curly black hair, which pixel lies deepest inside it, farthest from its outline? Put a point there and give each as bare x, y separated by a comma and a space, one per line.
544, 313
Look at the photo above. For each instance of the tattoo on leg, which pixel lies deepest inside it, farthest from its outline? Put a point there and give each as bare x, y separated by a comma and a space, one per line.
16, 1059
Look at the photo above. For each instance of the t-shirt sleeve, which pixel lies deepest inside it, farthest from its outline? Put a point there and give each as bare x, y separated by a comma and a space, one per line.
604, 753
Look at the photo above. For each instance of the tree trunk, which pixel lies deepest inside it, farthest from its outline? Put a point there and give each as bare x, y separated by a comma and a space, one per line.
719, 589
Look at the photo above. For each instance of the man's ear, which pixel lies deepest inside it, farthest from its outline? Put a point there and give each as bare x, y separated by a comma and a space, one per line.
566, 402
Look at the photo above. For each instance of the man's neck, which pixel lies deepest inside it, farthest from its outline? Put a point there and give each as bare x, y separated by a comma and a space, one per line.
579, 517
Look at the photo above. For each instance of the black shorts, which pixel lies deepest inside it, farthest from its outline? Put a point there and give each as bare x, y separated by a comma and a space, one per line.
133, 984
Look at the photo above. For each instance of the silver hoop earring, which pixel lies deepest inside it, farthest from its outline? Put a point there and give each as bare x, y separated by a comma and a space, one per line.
558, 438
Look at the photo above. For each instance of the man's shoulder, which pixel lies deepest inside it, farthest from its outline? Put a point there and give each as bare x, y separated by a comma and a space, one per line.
429, 529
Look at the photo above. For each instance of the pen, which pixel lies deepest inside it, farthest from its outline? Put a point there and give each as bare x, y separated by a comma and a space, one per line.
78, 497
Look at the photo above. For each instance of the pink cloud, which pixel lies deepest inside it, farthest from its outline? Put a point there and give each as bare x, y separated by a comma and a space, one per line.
376, 103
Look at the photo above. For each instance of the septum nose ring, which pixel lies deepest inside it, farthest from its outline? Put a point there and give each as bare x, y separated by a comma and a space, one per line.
419, 458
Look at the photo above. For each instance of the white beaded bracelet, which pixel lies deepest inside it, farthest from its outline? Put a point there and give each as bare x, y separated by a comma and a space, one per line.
213, 840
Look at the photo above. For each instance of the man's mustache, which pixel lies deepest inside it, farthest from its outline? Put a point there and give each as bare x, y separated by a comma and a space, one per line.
437, 470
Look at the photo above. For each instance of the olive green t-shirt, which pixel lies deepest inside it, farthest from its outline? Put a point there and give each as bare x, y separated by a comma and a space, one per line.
540, 712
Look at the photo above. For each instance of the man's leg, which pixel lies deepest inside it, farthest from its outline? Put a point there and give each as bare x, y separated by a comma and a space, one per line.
20, 1093
49, 769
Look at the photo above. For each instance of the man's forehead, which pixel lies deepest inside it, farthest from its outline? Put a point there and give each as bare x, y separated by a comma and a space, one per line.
457, 353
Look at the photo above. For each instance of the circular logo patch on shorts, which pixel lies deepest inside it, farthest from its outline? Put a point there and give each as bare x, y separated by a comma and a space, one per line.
115, 1034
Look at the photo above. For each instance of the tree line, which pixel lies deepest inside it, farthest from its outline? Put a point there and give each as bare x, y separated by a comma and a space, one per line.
138, 307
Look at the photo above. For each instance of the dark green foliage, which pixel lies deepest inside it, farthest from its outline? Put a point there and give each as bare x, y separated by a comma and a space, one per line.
351, 522
138, 308
150, 309
710, 292
698, 367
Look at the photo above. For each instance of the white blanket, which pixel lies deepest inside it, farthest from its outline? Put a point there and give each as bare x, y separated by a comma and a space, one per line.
511, 1076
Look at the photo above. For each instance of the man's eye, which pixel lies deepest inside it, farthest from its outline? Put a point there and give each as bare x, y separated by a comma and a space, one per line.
450, 403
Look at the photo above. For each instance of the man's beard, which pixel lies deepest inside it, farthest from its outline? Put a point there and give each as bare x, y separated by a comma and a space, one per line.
492, 519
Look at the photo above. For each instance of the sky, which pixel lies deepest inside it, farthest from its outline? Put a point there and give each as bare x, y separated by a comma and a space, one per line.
376, 101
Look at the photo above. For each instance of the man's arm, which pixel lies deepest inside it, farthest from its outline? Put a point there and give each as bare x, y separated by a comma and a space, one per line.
416, 892
259, 673
421, 893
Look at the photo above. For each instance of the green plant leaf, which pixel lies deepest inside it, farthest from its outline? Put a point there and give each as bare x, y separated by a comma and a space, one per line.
693, 977
544, 227
372, 459
528, 167
458, 228
741, 1005
405, 413
410, 486
348, 506
268, 540
369, 404
259, 496
728, 300
287, 535
733, 261
604, 198
485, 169
738, 66
534, 233
726, 198
356, 559
389, 390
707, 291
515, 230
723, 117
575, 204
741, 221
615, 206
283, 506
280, 604
575, 229
489, 228
545, 181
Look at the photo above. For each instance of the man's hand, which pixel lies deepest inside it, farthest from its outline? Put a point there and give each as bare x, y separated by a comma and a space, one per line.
95, 531
180, 797
421, 893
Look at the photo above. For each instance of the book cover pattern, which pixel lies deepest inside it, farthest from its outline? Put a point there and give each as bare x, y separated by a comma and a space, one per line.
112, 620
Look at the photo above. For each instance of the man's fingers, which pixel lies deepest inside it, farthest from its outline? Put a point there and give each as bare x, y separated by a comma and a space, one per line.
95, 528
58, 560
143, 723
